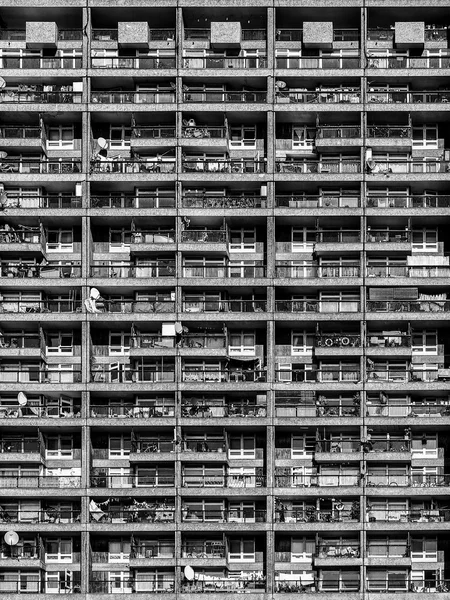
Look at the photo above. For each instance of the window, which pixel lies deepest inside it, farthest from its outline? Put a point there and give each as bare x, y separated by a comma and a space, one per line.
202, 302
288, 59
60, 343
155, 477
242, 343
339, 581
390, 581
243, 240
60, 240
119, 582
425, 445
302, 549
302, 342
59, 447
119, 550
425, 342
60, 138
119, 477
425, 136
242, 477
62, 373
241, 512
243, 136
242, 446
425, 240
301, 446
303, 239
119, 137
202, 476
119, 343
58, 550
337, 302
302, 476
119, 446
119, 239
241, 550
303, 138
423, 548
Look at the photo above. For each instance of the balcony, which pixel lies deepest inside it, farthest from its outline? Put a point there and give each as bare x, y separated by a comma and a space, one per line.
18, 134
305, 166
321, 408
310, 270
133, 97
398, 271
389, 136
243, 409
243, 165
56, 202
223, 202
413, 410
138, 62
133, 481
329, 137
37, 375
330, 553
152, 511
315, 306
393, 60
35, 585
130, 166
40, 306
203, 549
337, 340
62, 166
204, 132
149, 201
33, 95
420, 201
226, 96
131, 411
155, 584
50, 270
223, 481
113, 374
438, 515
142, 269
218, 375
313, 515
21, 59
225, 62
233, 306
306, 481
245, 516
111, 35
198, 34
327, 202
142, 553
204, 236
40, 481
403, 96
350, 60
150, 447
32, 517
249, 583
221, 271
419, 480
350, 95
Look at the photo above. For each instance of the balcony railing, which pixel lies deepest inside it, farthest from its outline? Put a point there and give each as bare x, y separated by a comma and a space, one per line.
39, 412
314, 166
248, 515
132, 481
337, 340
247, 306
384, 550
416, 165
9, 235
69, 35
39, 166
156, 550
313, 271
133, 62
105, 35
133, 97
321, 375
326, 132
389, 236
204, 236
23, 269
34, 585
409, 306
313, 515
413, 480
142, 269
38, 97
40, 516
206, 549
236, 409
145, 236
399, 60
325, 306
316, 410
132, 166
37, 306
380, 35
129, 585
220, 271
243, 165
40, 481
224, 584
20, 132
408, 97
214, 96
141, 201
331, 549
101, 411
392, 201
225, 62
36, 375
103, 374
34, 60
289, 35
151, 132
222, 375
50, 202
435, 34
400, 374
151, 446
332, 96
426, 271
228, 481
293, 201
389, 131
318, 62
341, 236
204, 131
152, 514
379, 340
407, 410
13, 35
437, 515
20, 445
235, 202
294, 481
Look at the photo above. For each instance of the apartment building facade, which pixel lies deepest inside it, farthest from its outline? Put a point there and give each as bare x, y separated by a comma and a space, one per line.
224, 287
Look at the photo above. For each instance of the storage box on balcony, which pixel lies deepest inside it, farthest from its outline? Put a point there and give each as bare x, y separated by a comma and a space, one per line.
318, 34
409, 34
41, 34
134, 34
225, 34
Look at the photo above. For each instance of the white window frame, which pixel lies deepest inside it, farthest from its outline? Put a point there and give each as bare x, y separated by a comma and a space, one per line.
60, 373
120, 477
63, 348
243, 554
242, 348
423, 244
242, 141
123, 347
426, 346
240, 508
242, 452
304, 450
60, 143
60, 557
122, 451
301, 239
303, 137
124, 141
425, 555
119, 582
60, 451
304, 345
423, 141
122, 555
242, 245
306, 555
59, 245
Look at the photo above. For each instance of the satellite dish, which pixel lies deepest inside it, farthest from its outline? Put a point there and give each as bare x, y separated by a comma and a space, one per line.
189, 572
191, 123
94, 294
22, 399
102, 143
11, 538
2, 83
281, 85
178, 328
